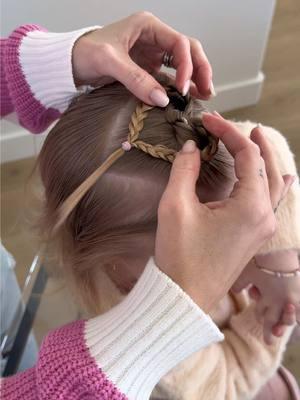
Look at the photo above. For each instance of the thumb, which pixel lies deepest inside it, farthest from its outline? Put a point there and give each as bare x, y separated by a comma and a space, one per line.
185, 170
139, 82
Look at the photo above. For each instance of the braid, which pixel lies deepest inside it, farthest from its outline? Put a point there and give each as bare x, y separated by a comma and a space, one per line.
135, 127
137, 121
158, 151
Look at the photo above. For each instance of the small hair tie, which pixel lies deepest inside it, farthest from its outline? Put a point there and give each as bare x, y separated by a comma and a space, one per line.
126, 146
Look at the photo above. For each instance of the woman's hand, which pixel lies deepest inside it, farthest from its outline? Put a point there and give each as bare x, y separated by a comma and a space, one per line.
277, 299
131, 49
204, 247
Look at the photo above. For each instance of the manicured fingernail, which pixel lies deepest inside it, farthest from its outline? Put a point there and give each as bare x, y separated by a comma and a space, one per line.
159, 98
259, 126
186, 88
212, 89
189, 146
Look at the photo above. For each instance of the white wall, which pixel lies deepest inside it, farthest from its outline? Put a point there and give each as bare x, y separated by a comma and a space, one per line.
233, 33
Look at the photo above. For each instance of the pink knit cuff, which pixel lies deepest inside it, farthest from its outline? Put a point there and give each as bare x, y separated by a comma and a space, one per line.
6, 105
20, 386
65, 370
31, 113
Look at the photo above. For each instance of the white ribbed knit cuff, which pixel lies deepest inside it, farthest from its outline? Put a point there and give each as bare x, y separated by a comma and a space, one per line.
151, 331
46, 62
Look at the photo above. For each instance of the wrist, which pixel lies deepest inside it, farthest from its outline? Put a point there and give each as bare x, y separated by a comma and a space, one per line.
146, 335
85, 58
202, 297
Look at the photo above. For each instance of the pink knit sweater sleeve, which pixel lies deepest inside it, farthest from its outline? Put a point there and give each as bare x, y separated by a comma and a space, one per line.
6, 105
36, 75
17, 95
121, 354
65, 370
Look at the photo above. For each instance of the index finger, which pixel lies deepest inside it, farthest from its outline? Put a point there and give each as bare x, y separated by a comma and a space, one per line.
245, 153
202, 71
268, 154
179, 46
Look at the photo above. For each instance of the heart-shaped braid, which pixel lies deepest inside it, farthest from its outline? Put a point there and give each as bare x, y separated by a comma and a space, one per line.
158, 151
135, 127
136, 123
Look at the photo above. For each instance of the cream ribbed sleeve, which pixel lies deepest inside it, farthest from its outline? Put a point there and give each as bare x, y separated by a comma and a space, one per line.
46, 62
153, 329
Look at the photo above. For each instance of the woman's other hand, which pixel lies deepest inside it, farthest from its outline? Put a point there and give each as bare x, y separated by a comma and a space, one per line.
204, 247
131, 49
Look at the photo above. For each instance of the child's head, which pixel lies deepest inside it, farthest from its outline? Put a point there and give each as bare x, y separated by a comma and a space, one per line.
116, 219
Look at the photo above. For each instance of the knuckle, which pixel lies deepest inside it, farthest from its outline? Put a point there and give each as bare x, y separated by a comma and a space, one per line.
137, 76
184, 170
183, 40
269, 226
106, 50
254, 149
143, 15
257, 213
198, 48
195, 42
252, 154
168, 208
185, 163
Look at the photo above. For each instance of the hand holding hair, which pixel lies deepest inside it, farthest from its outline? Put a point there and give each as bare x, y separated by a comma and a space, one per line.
131, 49
204, 247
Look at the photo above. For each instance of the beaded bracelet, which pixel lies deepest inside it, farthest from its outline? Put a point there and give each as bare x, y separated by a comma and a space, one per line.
277, 274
